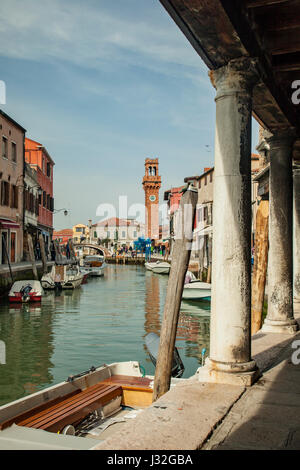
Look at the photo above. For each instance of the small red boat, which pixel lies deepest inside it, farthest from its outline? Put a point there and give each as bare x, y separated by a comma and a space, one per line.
26, 291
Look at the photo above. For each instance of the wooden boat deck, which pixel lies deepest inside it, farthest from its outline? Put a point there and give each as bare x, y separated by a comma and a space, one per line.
136, 390
54, 415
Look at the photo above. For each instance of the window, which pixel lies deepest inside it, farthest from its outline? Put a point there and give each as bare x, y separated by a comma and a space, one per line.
199, 184
44, 199
14, 152
14, 197
51, 204
37, 206
95, 234
134, 234
40, 199
48, 202
108, 234
4, 193
123, 234
31, 202
48, 169
4, 147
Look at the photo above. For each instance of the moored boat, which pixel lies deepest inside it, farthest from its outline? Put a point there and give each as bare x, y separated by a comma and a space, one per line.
78, 413
26, 291
63, 277
94, 265
85, 273
159, 267
196, 290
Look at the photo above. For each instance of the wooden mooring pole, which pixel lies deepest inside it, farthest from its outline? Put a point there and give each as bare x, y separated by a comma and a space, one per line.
259, 274
180, 261
58, 257
43, 253
32, 257
72, 251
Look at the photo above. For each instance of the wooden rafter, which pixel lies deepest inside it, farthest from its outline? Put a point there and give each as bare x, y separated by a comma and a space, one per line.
262, 3
284, 43
282, 19
286, 62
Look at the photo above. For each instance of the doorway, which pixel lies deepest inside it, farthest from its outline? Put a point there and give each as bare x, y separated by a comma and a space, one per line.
13, 247
4, 248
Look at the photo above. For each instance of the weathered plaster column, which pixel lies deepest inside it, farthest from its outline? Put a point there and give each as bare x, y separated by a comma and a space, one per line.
230, 338
280, 317
296, 234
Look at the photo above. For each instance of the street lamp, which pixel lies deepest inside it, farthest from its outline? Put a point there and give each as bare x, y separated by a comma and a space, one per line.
59, 210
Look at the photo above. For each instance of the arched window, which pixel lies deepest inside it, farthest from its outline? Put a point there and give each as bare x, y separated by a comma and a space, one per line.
150, 170
154, 171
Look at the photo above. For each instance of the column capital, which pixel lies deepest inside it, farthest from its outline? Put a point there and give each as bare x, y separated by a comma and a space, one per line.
237, 76
283, 138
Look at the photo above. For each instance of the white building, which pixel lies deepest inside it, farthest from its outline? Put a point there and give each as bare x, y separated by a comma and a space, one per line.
119, 231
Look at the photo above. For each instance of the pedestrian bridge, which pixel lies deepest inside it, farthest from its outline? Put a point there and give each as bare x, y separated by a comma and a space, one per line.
99, 248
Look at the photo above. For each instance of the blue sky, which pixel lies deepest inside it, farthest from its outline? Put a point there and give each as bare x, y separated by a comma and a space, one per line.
103, 85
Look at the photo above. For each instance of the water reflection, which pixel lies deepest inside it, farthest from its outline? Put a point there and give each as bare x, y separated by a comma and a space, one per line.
152, 304
103, 321
28, 338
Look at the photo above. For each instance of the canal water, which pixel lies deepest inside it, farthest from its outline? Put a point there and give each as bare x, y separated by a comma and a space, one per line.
103, 321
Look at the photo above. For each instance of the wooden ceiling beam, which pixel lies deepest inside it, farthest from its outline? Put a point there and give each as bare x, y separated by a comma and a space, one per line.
284, 43
286, 62
262, 3
280, 20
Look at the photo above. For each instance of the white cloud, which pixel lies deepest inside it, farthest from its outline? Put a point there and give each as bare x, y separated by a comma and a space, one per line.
89, 36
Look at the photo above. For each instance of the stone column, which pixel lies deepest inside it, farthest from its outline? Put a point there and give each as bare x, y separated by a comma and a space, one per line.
280, 317
296, 234
230, 338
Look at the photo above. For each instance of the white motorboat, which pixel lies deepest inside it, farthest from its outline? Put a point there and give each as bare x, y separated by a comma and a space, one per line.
94, 265
148, 266
26, 291
196, 290
63, 277
159, 267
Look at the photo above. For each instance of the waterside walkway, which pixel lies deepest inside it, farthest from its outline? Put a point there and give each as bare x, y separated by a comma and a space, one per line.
198, 415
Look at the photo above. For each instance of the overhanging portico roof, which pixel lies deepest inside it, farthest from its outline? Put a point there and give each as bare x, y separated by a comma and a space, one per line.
269, 30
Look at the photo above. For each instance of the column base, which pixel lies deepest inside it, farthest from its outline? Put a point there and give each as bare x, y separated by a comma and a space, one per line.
244, 374
280, 326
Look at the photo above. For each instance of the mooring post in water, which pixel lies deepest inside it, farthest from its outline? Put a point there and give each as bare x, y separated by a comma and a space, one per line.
43, 253
72, 251
31, 255
179, 265
58, 256
4, 244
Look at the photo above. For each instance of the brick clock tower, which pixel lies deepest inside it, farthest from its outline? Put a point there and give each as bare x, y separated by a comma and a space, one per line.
152, 184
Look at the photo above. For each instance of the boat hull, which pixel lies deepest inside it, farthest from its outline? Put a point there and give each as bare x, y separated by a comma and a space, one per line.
160, 270
197, 291
158, 267
18, 294
19, 299
66, 279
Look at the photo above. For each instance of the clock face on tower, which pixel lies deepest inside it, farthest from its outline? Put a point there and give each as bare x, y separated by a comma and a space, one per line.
152, 198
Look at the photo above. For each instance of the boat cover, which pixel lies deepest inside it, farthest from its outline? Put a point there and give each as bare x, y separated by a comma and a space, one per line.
22, 438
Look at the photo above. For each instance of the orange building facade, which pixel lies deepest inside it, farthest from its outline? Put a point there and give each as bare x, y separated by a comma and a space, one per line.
37, 156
